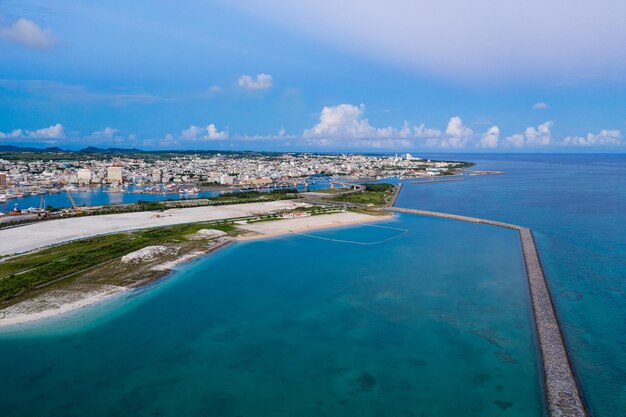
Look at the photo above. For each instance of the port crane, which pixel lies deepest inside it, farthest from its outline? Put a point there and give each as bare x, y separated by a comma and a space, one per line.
76, 209
42, 207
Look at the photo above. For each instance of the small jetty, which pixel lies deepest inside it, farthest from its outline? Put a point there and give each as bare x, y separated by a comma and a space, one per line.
562, 392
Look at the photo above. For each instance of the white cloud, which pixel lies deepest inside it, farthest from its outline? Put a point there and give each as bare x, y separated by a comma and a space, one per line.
604, 138
214, 134
456, 129
540, 106
423, 132
345, 121
456, 136
261, 82
168, 141
106, 133
532, 137
28, 33
490, 138
53, 132
195, 133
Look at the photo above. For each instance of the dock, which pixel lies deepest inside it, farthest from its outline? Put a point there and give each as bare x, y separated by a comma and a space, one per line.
563, 395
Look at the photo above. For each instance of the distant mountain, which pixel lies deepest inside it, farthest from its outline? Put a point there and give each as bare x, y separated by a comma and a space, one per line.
13, 148
93, 149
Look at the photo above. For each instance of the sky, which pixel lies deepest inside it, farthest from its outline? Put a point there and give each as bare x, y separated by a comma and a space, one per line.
283, 75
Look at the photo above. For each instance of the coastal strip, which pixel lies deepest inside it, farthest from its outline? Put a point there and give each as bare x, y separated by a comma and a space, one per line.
562, 392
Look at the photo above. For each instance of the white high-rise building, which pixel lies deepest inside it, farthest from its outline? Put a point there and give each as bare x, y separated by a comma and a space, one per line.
84, 176
114, 174
156, 175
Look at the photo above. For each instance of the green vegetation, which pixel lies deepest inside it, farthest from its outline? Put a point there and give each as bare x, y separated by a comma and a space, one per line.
24, 274
332, 190
382, 187
151, 205
374, 194
253, 196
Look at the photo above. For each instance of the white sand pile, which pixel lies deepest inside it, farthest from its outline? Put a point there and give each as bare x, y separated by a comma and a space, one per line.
148, 253
208, 234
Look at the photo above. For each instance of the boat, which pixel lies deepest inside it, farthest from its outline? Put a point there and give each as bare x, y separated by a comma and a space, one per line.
15, 211
193, 191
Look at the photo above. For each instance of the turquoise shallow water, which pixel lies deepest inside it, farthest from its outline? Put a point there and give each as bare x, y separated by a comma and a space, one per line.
576, 206
434, 322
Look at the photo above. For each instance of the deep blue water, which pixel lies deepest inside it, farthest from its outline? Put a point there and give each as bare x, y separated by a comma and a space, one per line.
576, 206
434, 322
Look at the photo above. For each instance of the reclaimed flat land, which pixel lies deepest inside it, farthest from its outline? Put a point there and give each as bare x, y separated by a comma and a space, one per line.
39, 235
32, 273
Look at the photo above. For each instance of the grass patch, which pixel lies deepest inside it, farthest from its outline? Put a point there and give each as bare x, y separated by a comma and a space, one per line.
332, 190
374, 194
23, 274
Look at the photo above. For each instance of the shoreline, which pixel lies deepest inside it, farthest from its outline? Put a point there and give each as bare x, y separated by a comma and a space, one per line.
59, 305
264, 230
64, 309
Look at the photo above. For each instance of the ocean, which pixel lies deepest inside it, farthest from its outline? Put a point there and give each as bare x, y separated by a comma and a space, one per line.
434, 321
576, 206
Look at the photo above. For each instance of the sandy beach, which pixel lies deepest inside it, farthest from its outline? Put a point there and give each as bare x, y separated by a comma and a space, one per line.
58, 302
301, 224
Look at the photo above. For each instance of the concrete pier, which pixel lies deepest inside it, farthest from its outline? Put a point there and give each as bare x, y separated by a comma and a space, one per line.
562, 392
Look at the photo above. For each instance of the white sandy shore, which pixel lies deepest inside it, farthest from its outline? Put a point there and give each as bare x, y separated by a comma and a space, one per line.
39, 235
58, 302
302, 224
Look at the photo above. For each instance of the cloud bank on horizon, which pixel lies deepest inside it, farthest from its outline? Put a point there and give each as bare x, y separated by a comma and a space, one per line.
343, 127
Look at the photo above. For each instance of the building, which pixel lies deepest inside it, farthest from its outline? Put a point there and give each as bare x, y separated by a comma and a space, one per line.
114, 174
227, 180
156, 176
3, 180
84, 176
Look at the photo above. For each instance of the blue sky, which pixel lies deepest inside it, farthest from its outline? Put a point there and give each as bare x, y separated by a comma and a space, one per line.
364, 75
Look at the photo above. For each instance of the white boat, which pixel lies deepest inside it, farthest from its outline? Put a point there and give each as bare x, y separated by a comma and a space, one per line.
3, 198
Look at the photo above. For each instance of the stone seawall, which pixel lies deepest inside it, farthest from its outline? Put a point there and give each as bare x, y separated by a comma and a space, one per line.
395, 195
562, 392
